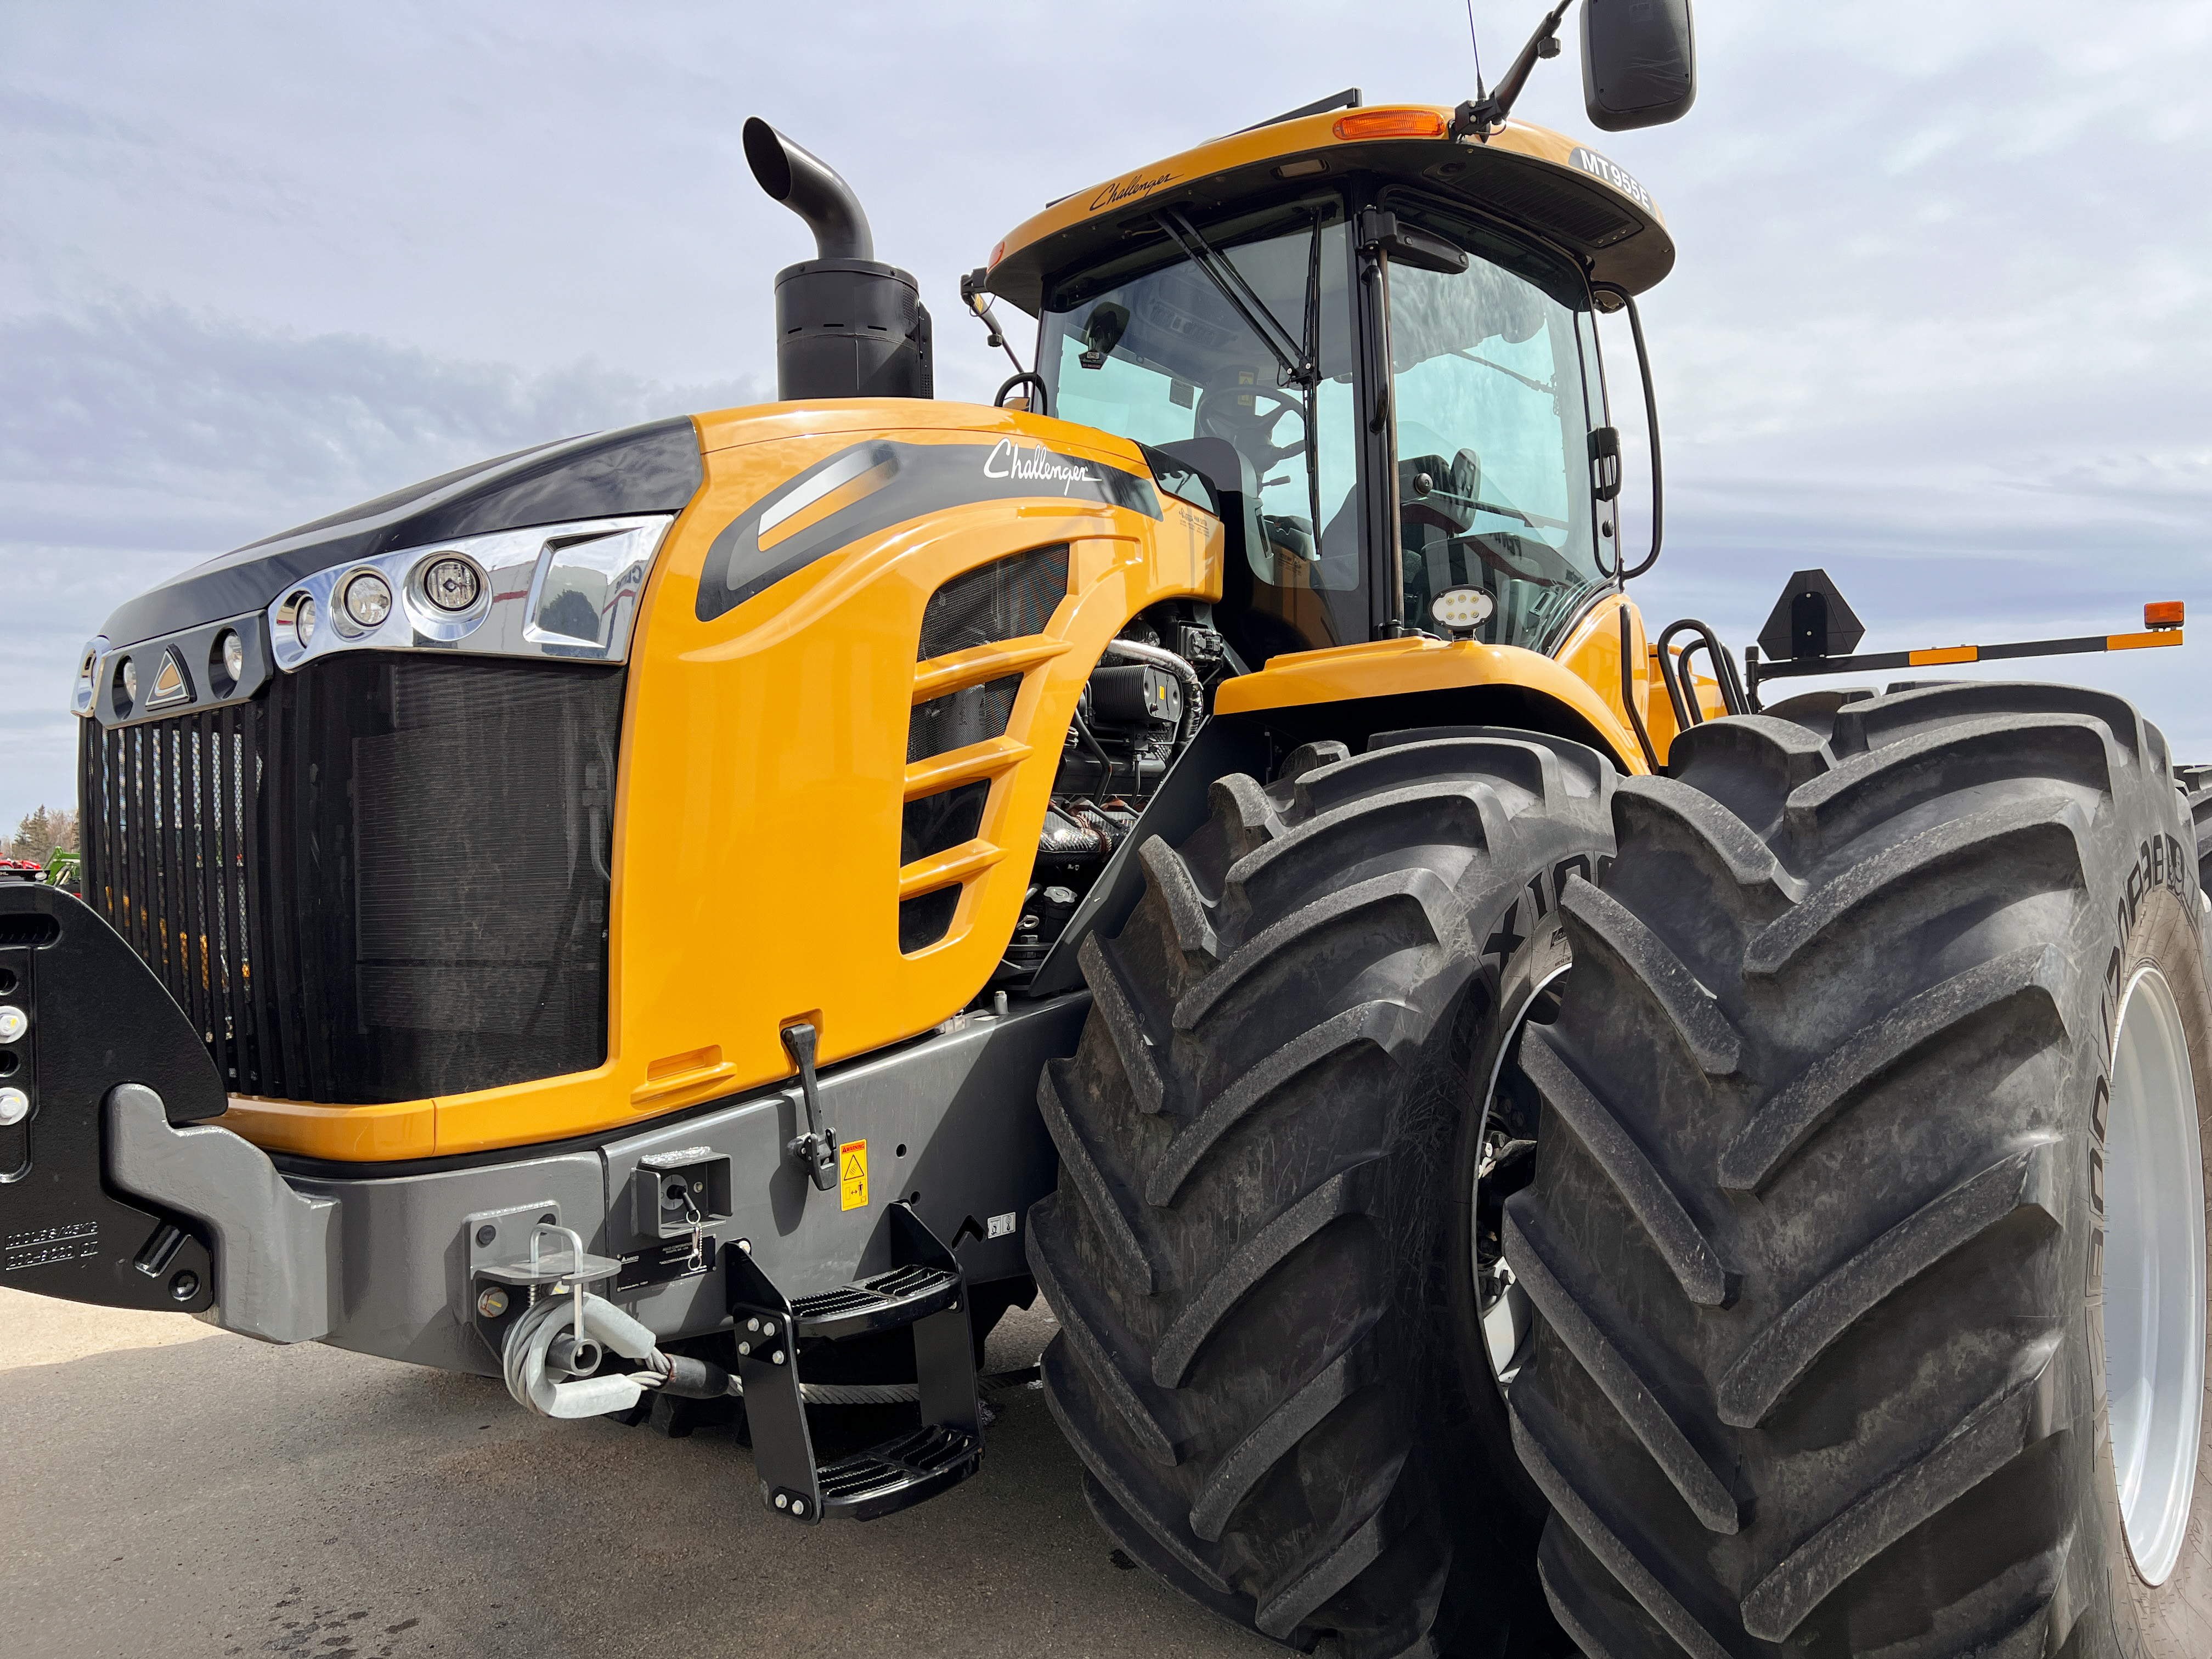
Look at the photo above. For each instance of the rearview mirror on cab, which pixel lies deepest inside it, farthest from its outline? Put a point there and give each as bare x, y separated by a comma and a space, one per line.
1639, 63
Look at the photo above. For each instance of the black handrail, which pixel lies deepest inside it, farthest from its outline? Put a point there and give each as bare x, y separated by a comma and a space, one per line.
1027, 377
1687, 713
1628, 696
1651, 424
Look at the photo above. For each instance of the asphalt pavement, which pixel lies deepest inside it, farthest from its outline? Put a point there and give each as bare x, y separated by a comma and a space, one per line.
166, 1489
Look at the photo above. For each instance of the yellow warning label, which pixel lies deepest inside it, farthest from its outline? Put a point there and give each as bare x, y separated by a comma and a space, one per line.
853, 1174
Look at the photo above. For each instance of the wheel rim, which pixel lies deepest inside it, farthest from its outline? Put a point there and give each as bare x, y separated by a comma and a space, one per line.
1507, 1316
2154, 1286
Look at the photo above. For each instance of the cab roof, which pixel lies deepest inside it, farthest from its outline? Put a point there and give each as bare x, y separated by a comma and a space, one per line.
1542, 180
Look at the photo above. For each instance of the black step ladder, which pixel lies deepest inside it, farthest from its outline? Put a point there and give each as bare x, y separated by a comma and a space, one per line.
924, 1288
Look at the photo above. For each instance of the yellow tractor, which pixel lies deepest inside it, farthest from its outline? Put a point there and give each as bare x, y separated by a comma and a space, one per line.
697, 921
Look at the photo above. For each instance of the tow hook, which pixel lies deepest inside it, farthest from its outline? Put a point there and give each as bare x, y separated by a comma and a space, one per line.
553, 1346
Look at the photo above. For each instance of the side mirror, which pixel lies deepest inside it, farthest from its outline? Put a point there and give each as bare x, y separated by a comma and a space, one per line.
1101, 331
1639, 63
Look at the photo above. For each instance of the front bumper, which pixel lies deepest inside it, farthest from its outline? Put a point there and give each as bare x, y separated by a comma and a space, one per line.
115, 1189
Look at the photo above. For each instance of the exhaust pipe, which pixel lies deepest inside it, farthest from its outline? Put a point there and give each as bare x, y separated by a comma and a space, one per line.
846, 327
811, 188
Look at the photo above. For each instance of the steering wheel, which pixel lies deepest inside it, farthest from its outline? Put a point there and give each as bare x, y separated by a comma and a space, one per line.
1217, 415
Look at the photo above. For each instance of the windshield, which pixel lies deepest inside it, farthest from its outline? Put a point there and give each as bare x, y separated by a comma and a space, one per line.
1150, 347
1493, 380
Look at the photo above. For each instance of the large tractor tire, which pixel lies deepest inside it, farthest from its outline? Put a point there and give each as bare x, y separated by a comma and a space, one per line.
2195, 785
1867, 1236
1263, 1252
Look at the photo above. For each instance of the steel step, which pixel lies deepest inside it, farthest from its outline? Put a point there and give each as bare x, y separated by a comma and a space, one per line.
923, 1293
883, 1303
915, 1465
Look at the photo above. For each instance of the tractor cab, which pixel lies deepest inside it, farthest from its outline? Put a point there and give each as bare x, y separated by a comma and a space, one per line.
1377, 340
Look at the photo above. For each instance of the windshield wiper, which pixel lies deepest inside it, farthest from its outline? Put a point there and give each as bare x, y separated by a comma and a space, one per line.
1296, 357
1298, 360
1545, 386
1503, 511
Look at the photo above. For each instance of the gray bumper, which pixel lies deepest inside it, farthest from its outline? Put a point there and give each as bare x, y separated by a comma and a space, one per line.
276, 1252
383, 1263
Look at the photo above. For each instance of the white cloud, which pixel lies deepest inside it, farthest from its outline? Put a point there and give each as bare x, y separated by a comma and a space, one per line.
1936, 321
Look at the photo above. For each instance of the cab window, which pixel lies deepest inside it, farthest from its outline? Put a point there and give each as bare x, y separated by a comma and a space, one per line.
1494, 406
1150, 347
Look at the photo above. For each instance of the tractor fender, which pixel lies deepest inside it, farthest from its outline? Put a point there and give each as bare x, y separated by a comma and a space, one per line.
1348, 695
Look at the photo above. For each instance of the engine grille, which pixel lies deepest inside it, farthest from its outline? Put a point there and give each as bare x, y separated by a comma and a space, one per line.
1005, 599
1009, 598
386, 879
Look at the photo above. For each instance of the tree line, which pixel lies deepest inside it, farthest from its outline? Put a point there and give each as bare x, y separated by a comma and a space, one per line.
43, 831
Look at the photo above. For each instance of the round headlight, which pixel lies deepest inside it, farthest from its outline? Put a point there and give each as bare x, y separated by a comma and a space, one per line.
14, 1106
452, 583
299, 611
1462, 610
227, 660
14, 1022
368, 599
126, 677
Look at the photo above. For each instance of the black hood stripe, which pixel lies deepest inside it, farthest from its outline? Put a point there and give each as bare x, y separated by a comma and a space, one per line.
897, 482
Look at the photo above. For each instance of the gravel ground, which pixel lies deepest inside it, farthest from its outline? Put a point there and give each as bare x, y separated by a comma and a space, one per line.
177, 1491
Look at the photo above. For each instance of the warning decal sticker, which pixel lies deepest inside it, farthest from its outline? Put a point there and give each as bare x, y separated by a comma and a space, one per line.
853, 1174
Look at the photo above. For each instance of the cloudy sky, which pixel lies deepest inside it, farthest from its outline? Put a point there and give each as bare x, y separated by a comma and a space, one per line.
1938, 322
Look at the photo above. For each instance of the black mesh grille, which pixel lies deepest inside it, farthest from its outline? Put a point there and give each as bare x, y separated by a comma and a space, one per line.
1005, 599
924, 920
1580, 214
938, 822
933, 824
960, 718
386, 879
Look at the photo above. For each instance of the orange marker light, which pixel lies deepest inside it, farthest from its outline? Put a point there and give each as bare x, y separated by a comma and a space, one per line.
999, 253
2165, 613
1391, 124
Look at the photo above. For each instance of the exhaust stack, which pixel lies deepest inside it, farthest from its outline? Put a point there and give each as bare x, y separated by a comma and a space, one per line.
846, 325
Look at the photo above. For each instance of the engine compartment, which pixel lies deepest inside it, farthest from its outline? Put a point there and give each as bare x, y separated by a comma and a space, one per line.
1131, 722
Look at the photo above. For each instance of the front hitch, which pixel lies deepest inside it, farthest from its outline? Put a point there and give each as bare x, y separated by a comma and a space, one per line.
89, 1017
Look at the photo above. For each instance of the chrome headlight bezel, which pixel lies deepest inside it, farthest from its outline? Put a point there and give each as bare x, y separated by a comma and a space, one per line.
84, 692
364, 589
564, 591
568, 592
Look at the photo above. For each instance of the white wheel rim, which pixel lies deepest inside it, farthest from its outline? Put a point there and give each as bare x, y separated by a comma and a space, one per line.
2153, 1276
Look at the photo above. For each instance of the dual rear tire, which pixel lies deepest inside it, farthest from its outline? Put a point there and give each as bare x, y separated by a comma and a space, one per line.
1862, 1246
1866, 1237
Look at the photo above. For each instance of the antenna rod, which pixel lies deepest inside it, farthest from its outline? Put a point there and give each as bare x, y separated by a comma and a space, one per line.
1482, 116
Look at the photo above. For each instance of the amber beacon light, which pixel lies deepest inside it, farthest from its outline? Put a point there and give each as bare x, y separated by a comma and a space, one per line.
1391, 123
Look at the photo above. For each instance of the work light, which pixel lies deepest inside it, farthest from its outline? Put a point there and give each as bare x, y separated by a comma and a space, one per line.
1460, 610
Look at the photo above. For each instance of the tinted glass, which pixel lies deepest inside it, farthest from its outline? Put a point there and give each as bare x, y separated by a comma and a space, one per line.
1494, 408
1152, 350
